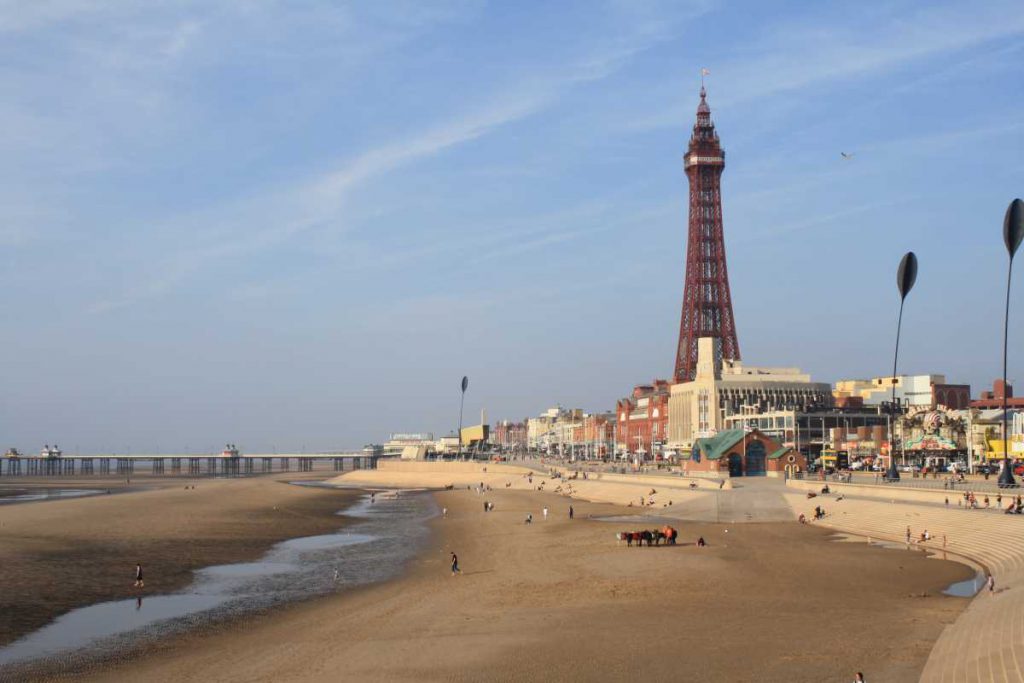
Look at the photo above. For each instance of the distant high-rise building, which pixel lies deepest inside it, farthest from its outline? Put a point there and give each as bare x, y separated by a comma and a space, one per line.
707, 304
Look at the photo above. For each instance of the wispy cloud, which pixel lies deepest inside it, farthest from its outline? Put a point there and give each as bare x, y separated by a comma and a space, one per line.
816, 52
280, 215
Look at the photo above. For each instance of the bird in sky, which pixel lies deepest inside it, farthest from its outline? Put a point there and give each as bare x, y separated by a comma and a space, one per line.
846, 156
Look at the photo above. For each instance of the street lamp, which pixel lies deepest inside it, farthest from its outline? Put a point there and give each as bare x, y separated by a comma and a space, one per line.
906, 275
1013, 233
462, 401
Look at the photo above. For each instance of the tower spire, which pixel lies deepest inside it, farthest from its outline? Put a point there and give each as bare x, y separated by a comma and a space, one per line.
707, 303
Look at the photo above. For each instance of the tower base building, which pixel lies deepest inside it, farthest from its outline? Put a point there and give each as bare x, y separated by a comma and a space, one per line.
721, 388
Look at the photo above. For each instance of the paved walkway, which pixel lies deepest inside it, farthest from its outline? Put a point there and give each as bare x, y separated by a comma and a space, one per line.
986, 643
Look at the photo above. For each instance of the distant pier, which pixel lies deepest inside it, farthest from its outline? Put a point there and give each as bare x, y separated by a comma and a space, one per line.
235, 464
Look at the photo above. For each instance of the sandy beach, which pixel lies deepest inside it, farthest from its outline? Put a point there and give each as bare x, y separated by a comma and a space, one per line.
561, 600
59, 555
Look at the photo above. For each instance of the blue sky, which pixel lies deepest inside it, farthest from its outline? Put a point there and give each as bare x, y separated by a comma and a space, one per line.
296, 225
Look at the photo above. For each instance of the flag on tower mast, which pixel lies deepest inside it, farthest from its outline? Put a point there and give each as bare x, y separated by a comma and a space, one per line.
703, 72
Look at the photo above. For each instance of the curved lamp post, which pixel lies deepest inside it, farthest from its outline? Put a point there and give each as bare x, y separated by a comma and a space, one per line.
462, 401
1013, 233
906, 275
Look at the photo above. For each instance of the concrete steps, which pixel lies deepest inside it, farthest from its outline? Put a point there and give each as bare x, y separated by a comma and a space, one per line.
986, 643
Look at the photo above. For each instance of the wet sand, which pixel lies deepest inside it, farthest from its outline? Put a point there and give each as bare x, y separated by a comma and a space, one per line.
560, 600
59, 555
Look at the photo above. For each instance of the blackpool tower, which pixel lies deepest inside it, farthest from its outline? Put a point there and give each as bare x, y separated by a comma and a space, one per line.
707, 306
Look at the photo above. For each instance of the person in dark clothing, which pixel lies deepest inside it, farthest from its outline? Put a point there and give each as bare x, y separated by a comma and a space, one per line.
455, 565
138, 576
571, 513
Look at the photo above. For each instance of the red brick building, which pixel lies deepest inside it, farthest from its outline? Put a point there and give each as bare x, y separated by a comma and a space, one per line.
994, 398
597, 432
953, 396
736, 453
508, 434
642, 419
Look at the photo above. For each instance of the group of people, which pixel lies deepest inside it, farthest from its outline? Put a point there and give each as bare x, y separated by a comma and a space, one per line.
544, 512
649, 500
655, 537
970, 501
925, 536
819, 513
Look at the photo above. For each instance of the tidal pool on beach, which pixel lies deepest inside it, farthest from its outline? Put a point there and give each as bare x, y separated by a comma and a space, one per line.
10, 496
967, 588
389, 531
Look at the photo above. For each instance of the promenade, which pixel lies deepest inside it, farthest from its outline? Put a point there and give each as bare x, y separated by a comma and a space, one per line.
986, 643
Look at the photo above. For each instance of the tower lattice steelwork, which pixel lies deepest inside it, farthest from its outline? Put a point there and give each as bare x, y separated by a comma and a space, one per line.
707, 305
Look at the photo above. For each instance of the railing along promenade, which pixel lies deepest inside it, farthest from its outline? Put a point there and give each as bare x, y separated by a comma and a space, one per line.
947, 483
184, 465
986, 642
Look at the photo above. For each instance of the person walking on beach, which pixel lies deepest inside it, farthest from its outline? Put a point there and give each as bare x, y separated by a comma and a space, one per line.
139, 583
444, 512
455, 565
908, 535
991, 583
571, 512
545, 514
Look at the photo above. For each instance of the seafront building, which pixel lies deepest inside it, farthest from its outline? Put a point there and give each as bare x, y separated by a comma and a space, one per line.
598, 435
721, 388
994, 398
741, 453
861, 432
509, 435
401, 440
552, 430
642, 419
912, 391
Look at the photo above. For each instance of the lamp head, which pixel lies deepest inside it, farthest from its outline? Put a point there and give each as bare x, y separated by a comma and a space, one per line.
907, 274
1013, 226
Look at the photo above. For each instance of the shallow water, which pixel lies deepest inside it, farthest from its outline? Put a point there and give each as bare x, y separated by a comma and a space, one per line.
967, 588
8, 496
389, 533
